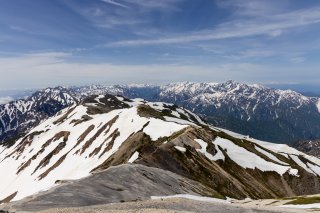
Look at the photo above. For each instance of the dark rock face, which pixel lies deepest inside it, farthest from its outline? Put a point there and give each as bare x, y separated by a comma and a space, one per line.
310, 147
105, 104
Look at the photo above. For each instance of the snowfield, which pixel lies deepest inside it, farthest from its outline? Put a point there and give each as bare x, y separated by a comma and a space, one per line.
241, 156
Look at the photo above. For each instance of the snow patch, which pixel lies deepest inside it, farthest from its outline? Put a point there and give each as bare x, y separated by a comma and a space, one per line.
133, 157
247, 159
282, 149
120, 98
314, 168
203, 150
97, 99
269, 155
175, 113
181, 149
301, 164
179, 121
158, 128
318, 105
306, 206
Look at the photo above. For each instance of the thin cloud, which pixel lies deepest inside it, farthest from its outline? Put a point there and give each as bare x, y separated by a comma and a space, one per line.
17, 28
253, 53
253, 7
116, 22
4, 100
115, 3
46, 69
155, 4
297, 60
270, 26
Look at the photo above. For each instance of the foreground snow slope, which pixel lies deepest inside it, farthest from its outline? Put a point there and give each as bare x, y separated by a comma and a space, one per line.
109, 130
68, 151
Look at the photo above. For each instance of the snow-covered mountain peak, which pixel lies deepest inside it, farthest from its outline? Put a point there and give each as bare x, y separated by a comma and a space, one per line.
211, 93
18, 116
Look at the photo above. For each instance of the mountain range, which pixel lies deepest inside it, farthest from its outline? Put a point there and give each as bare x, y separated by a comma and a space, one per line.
17, 117
280, 116
167, 149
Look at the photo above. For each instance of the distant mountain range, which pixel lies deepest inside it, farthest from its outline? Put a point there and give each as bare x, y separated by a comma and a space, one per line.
17, 117
281, 116
173, 149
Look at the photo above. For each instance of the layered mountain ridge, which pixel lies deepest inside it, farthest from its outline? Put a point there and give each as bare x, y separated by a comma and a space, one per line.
105, 131
281, 116
268, 114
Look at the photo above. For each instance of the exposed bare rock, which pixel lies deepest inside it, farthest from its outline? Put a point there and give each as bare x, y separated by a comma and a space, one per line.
133, 183
311, 147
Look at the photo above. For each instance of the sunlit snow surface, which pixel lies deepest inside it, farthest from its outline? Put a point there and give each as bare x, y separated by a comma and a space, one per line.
247, 159
75, 165
318, 105
282, 149
79, 162
218, 156
181, 149
306, 206
191, 197
134, 157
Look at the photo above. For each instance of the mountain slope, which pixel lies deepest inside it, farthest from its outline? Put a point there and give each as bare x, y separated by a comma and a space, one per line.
64, 142
134, 182
106, 130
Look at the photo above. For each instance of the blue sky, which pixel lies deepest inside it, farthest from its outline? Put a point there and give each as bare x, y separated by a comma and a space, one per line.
75, 42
